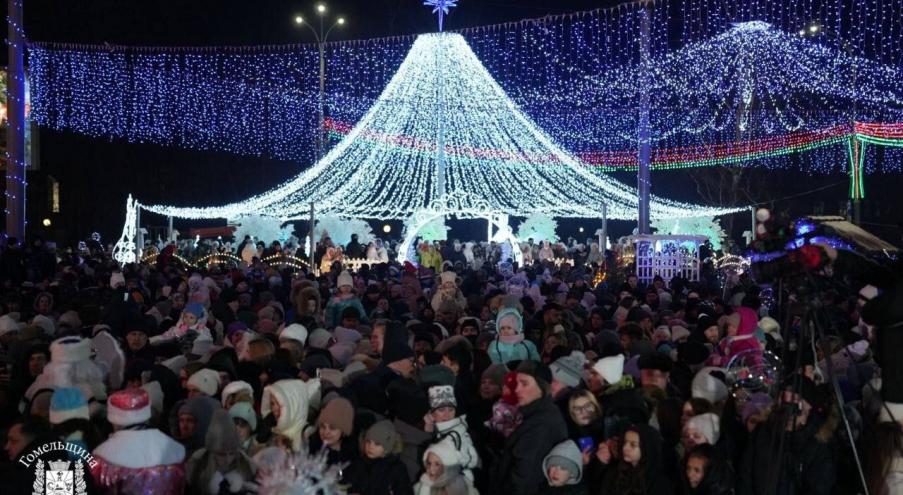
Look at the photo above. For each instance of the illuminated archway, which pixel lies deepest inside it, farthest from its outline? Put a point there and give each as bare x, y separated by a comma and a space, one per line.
462, 207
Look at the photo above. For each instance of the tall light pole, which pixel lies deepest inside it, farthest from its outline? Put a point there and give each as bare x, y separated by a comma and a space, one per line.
321, 38
15, 132
644, 129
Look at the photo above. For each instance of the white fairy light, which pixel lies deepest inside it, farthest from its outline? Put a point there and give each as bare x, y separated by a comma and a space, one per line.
489, 141
124, 251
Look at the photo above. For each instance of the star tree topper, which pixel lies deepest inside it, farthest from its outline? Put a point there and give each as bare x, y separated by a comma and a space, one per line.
441, 7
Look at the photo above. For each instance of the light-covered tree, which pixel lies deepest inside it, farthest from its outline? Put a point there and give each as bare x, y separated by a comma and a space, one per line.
434, 230
705, 226
261, 228
539, 227
340, 229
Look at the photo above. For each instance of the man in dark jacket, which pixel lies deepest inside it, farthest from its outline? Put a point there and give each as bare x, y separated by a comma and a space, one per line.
354, 249
372, 389
519, 471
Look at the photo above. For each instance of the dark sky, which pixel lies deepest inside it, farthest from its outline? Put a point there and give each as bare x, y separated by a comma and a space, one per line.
233, 22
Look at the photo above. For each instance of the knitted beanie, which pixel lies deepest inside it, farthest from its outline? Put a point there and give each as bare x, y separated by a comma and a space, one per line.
496, 374
565, 455
708, 387
569, 369
442, 396
446, 453
383, 434
344, 279
245, 411
295, 331
319, 339
708, 425
205, 380
610, 368
338, 413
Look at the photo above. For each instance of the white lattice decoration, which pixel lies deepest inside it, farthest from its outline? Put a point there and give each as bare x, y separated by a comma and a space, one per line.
668, 256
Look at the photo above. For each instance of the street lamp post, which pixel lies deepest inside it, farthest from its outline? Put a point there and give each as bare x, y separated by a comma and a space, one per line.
321, 38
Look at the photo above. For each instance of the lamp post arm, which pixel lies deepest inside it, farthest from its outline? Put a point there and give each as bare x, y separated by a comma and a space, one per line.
312, 30
326, 36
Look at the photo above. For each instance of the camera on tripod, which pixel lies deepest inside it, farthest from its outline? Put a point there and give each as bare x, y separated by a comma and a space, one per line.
784, 249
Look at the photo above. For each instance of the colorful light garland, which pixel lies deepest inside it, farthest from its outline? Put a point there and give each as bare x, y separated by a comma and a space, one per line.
663, 159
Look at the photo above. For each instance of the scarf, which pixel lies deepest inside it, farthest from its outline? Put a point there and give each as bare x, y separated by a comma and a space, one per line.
511, 339
451, 482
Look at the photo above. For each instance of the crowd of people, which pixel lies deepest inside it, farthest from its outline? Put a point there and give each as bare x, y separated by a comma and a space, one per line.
456, 374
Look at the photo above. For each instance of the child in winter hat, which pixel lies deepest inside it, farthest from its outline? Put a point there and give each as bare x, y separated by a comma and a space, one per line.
442, 473
510, 344
221, 466
506, 416
335, 425
344, 298
446, 427
191, 325
245, 419
700, 429
563, 466
379, 470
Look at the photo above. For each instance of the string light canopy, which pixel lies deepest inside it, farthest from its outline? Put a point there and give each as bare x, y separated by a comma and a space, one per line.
488, 140
262, 100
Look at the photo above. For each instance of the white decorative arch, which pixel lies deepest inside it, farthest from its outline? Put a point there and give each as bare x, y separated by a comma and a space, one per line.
462, 206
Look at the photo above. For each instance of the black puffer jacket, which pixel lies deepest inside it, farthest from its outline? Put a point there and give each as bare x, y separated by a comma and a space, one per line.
384, 476
519, 470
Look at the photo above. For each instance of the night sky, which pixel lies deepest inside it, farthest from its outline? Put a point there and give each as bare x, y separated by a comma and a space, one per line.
96, 175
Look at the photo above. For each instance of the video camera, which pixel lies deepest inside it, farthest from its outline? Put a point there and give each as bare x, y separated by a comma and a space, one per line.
784, 249
816, 246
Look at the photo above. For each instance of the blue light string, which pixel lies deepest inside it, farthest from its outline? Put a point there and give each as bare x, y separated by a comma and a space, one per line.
561, 70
